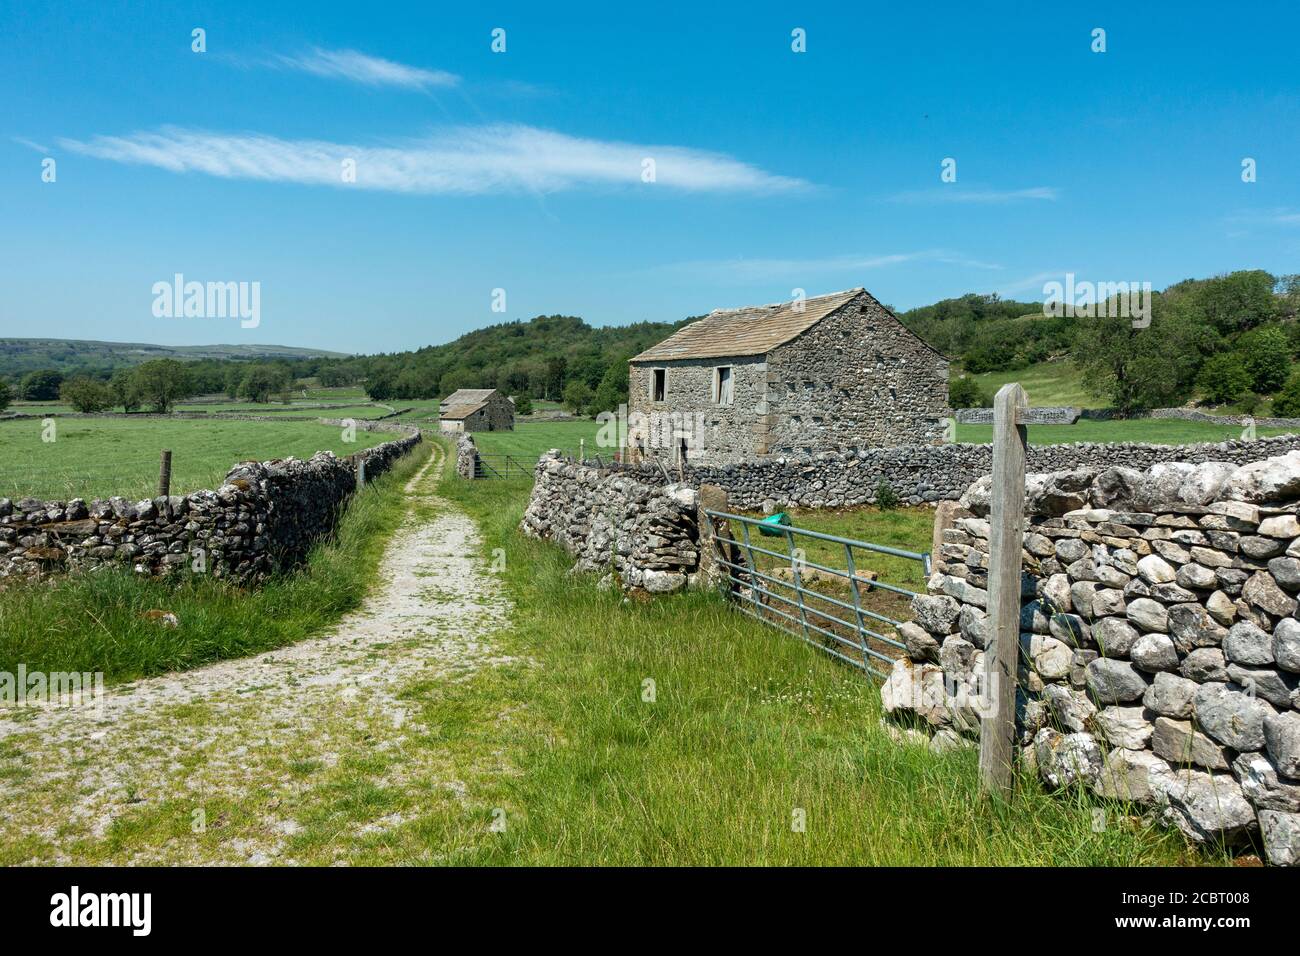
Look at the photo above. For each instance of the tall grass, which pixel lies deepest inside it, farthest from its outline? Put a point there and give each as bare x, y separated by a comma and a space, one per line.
97, 621
748, 732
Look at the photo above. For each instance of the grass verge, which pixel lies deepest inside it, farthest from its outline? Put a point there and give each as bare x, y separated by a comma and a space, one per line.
96, 622
679, 732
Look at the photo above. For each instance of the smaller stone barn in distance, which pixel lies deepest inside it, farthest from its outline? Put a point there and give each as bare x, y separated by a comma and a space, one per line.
476, 410
834, 372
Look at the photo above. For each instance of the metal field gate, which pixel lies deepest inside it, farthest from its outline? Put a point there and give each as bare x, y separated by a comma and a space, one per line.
501, 466
840, 610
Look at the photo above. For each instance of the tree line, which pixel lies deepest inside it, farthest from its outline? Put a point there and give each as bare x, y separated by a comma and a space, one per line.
156, 385
1231, 339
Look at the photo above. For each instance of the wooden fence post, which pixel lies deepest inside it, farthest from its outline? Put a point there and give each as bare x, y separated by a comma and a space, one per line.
711, 498
165, 474
1006, 537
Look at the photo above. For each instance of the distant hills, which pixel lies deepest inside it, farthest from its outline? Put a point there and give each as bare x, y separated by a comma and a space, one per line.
19, 356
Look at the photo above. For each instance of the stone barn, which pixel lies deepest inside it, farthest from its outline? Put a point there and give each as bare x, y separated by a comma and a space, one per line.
476, 410
836, 372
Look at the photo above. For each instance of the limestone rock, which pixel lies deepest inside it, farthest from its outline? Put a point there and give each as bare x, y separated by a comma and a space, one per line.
1208, 808
1248, 644
957, 657
1154, 652
1050, 657
1191, 626
1171, 696
1108, 602
1220, 607
1054, 593
1126, 727
1205, 482
1114, 636
1204, 664
921, 644
1148, 615
1195, 577
1282, 737
1286, 645
1132, 775
973, 625
1262, 591
1065, 760
1070, 629
1119, 488
1263, 785
1114, 682
918, 689
1072, 709
1271, 685
936, 613
1280, 526
1179, 743
1231, 717
1273, 479
1155, 570
1281, 836
1286, 572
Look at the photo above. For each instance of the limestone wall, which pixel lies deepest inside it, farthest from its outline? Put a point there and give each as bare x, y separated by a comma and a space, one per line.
263, 518
928, 473
466, 457
1160, 646
643, 536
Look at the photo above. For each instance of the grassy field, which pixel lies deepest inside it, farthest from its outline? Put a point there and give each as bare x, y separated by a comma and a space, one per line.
119, 456
1058, 382
747, 732
907, 529
274, 409
1156, 431
96, 622
1046, 383
529, 440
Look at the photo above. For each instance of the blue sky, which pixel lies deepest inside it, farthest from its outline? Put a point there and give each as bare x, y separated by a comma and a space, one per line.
522, 170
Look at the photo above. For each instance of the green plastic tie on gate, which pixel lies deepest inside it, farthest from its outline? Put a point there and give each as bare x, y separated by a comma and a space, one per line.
771, 527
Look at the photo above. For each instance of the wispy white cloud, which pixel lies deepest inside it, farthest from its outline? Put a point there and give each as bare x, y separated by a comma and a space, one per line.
458, 160
956, 194
745, 270
1033, 282
23, 141
365, 69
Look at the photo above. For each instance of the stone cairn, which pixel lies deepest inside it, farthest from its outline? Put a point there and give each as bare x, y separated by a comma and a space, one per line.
1160, 645
263, 518
642, 536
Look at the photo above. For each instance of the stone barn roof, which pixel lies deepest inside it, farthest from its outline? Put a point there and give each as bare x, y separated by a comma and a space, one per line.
458, 412
753, 330
468, 396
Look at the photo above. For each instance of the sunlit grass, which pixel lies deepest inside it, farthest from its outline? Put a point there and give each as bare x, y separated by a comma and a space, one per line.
90, 457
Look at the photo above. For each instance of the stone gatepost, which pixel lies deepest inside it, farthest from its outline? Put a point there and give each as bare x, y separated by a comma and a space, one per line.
711, 498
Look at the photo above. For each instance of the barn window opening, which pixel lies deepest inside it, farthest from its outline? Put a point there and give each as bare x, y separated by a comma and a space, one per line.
722, 388
659, 385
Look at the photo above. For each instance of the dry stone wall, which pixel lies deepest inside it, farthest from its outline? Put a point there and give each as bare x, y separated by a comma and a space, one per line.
1159, 639
643, 536
927, 473
466, 457
263, 518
